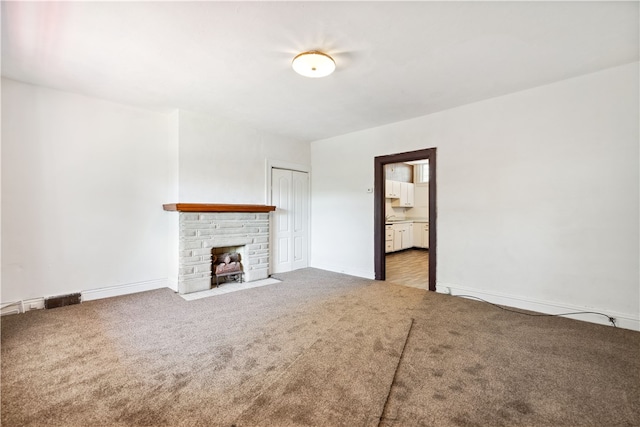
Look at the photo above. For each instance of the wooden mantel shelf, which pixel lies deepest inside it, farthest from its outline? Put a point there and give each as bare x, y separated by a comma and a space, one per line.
207, 207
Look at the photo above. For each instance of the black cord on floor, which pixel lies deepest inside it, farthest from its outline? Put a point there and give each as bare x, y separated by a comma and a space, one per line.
610, 318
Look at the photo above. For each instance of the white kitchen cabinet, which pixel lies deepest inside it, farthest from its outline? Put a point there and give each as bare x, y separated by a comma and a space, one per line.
402, 236
417, 235
407, 193
411, 191
388, 240
392, 189
425, 236
397, 237
421, 235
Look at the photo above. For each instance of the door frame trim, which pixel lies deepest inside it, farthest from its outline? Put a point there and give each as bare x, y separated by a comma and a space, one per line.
279, 164
379, 209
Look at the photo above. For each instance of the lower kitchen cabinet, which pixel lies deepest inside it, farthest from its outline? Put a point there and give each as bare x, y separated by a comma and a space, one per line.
406, 235
425, 236
421, 235
402, 236
388, 238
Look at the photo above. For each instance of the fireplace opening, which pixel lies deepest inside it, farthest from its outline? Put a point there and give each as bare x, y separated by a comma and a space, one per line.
226, 264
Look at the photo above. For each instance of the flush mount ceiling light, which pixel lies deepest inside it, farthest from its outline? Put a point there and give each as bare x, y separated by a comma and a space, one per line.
313, 64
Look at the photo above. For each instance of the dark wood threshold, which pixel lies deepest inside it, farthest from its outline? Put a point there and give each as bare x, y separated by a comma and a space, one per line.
209, 207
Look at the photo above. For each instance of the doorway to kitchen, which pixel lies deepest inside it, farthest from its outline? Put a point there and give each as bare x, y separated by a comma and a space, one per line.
380, 211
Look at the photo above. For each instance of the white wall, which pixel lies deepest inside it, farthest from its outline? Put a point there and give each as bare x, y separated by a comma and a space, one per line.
173, 230
537, 193
83, 183
84, 180
221, 161
224, 162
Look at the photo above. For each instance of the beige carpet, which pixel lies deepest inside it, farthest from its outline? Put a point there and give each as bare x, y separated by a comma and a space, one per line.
320, 349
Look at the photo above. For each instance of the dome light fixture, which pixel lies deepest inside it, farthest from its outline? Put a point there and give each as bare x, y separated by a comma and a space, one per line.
313, 64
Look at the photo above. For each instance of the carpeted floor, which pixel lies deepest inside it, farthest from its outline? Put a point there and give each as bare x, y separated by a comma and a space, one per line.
318, 349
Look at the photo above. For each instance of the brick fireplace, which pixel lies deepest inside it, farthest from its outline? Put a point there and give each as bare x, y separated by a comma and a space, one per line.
205, 227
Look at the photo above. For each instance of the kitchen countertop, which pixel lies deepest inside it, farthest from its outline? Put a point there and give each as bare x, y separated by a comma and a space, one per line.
406, 221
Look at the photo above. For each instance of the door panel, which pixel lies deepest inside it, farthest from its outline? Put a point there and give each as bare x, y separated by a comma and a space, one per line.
281, 198
301, 219
283, 252
290, 195
298, 244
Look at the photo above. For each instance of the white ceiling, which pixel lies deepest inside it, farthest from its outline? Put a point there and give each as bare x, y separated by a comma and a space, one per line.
395, 60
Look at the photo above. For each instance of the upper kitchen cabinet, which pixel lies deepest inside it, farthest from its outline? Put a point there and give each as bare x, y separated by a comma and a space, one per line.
392, 189
406, 199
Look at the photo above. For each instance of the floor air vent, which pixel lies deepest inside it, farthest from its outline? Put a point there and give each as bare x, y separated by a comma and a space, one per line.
62, 300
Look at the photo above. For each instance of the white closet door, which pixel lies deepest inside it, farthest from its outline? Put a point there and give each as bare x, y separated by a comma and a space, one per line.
290, 195
300, 219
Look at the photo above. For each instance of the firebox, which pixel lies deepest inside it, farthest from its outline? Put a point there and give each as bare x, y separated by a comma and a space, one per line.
225, 265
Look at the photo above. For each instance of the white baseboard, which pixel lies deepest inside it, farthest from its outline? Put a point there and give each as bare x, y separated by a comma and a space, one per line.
130, 288
172, 284
344, 270
23, 306
623, 320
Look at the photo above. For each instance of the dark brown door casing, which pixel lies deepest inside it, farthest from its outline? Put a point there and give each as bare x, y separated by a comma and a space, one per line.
379, 214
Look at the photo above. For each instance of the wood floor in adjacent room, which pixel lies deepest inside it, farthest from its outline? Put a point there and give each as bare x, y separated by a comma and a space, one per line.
409, 267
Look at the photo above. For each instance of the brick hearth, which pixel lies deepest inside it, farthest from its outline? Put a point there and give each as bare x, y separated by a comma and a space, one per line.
242, 228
